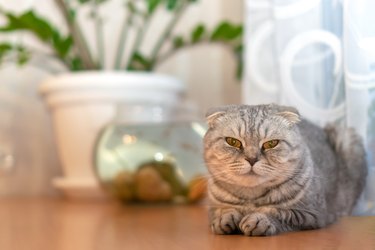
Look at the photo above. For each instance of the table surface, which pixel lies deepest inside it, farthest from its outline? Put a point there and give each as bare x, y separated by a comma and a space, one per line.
57, 224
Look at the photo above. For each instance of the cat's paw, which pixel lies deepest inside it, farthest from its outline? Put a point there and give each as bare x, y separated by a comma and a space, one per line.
226, 221
257, 224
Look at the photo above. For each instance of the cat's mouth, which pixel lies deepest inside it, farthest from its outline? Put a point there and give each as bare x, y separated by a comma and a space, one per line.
249, 172
252, 173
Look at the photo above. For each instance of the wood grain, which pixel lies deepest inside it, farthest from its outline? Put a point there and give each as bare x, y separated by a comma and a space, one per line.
48, 224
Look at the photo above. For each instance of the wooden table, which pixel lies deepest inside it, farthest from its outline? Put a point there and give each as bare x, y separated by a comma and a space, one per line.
52, 224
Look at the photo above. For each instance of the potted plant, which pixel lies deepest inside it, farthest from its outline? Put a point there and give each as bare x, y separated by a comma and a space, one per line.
83, 97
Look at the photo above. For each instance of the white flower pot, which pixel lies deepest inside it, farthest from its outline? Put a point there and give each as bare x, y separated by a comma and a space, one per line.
82, 103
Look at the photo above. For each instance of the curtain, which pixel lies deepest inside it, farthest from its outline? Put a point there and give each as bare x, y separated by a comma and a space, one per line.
319, 56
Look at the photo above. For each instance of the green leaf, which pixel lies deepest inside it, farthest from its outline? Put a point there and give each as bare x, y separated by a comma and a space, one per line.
41, 28
62, 45
238, 50
5, 49
76, 64
28, 21
178, 42
227, 31
231, 35
91, 1
197, 33
239, 71
171, 4
139, 62
152, 5
22, 56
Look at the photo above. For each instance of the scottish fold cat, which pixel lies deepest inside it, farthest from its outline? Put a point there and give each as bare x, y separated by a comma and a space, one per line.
272, 171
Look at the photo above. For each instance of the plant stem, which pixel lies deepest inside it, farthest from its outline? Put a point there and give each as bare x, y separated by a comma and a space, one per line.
79, 40
122, 42
99, 34
138, 40
167, 32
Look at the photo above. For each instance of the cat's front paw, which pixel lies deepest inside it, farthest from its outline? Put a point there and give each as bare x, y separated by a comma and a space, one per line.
257, 224
225, 221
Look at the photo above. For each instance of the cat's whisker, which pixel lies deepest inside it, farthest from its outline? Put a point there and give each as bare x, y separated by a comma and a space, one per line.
219, 174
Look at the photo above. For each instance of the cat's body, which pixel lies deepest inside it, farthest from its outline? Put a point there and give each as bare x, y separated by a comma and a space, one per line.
311, 177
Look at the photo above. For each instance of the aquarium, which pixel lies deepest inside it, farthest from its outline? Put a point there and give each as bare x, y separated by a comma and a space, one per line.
152, 162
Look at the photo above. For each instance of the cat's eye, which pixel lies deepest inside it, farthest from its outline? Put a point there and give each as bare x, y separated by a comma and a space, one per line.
270, 144
233, 142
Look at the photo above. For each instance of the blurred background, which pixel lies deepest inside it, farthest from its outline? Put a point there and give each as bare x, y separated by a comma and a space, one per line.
316, 55
207, 71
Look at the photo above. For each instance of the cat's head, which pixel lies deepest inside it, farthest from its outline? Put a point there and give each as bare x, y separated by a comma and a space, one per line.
252, 145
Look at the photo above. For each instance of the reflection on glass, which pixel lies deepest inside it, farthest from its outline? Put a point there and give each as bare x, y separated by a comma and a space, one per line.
158, 162
7, 160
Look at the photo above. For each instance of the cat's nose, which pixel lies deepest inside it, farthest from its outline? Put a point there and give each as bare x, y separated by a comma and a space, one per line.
252, 160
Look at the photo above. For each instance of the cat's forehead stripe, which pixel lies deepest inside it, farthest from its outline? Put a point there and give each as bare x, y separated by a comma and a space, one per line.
242, 128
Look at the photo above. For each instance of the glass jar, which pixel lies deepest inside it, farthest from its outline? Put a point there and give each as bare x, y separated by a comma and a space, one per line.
152, 153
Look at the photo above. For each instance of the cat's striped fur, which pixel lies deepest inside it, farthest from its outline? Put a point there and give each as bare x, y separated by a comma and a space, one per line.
309, 179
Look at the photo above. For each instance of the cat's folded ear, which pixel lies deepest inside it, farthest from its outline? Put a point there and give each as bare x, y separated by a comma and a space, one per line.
290, 114
213, 114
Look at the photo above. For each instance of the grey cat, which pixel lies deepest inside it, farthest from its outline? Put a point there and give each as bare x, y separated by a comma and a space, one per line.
272, 171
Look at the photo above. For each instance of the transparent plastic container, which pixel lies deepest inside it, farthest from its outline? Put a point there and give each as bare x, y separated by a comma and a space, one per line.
158, 158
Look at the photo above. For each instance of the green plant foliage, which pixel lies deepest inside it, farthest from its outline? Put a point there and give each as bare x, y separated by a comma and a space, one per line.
21, 55
226, 32
238, 50
178, 42
41, 28
5, 49
91, 1
73, 50
76, 64
152, 5
198, 33
139, 62
171, 4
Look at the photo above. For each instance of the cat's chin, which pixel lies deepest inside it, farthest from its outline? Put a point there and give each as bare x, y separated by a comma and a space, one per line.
250, 171
250, 180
